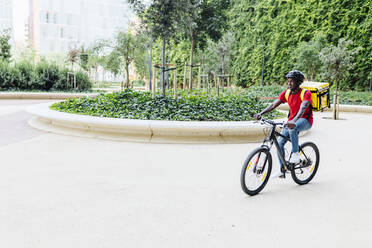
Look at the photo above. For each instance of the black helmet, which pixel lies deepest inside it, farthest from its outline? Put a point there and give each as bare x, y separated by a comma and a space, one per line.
296, 75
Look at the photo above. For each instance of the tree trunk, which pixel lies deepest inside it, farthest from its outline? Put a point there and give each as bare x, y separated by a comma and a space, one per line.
154, 83
175, 84
103, 76
75, 81
223, 71
96, 77
215, 79
150, 66
335, 99
263, 67
193, 41
162, 69
167, 57
199, 77
127, 74
184, 76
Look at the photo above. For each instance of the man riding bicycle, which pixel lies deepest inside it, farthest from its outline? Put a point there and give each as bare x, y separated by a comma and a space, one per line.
300, 117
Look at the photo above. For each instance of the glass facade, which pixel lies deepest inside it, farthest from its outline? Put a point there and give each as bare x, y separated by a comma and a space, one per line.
69, 24
6, 15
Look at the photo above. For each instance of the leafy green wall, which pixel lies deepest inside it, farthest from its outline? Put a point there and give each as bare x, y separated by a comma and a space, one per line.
278, 26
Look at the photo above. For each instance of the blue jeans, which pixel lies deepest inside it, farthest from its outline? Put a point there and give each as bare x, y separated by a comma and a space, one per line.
302, 124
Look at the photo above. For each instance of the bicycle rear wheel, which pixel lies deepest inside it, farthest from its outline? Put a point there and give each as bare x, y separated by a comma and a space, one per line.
256, 171
306, 170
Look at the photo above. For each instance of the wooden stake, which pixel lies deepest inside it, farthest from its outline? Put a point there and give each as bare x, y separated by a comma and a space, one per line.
199, 78
154, 84
74, 80
338, 107
184, 77
207, 83
175, 84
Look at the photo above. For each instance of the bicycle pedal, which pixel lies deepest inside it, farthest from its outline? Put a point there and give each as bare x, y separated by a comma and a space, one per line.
284, 170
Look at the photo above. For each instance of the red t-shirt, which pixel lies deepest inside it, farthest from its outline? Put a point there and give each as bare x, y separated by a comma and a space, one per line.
294, 103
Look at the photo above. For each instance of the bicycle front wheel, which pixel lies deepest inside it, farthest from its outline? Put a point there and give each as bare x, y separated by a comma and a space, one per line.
256, 171
306, 170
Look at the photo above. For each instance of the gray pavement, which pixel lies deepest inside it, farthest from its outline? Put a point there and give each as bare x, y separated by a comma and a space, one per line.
63, 191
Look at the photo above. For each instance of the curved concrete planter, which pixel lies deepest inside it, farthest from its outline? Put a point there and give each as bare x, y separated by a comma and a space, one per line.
144, 130
36, 95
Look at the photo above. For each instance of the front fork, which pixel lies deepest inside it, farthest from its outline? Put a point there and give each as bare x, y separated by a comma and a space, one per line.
262, 169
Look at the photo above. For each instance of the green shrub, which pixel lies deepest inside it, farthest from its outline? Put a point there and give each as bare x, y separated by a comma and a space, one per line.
131, 104
48, 74
26, 75
8, 76
83, 81
63, 83
44, 76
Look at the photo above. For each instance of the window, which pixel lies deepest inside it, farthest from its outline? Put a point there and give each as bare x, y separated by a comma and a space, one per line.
63, 19
61, 33
47, 17
55, 18
104, 23
69, 19
51, 43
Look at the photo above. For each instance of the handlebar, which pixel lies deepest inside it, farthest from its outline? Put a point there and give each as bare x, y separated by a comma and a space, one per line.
270, 122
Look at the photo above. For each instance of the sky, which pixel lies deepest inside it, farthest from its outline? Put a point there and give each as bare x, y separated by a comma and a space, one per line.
20, 13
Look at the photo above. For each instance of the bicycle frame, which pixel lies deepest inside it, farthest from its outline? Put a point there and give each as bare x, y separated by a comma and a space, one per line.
272, 138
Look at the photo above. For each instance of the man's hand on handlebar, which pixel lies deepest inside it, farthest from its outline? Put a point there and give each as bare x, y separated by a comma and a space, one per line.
290, 124
257, 117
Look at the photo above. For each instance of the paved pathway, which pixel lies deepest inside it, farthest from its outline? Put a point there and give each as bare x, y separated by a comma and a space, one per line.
63, 191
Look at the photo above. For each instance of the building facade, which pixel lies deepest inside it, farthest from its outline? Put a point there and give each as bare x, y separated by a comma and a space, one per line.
57, 26
6, 15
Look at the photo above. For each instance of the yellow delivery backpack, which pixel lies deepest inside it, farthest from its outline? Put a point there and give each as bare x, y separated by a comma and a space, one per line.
319, 94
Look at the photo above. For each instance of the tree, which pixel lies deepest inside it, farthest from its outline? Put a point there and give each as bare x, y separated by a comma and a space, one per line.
83, 58
216, 58
121, 52
307, 57
203, 19
96, 58
124, 49
337, 64
114, 63
94, 62
5, 46
73, 57
161, 17
224, 51
143, 43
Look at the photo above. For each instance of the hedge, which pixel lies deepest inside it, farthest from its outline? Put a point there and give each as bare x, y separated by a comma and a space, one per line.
44, 76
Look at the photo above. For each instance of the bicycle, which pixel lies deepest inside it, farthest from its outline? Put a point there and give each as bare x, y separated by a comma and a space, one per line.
257, 167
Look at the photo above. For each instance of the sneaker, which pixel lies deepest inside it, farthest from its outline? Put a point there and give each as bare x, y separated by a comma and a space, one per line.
277, 174
295, 158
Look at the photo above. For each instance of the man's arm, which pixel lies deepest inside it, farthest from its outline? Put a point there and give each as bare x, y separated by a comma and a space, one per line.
269, 108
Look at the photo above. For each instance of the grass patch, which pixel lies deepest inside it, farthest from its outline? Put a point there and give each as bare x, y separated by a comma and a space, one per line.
355, 98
